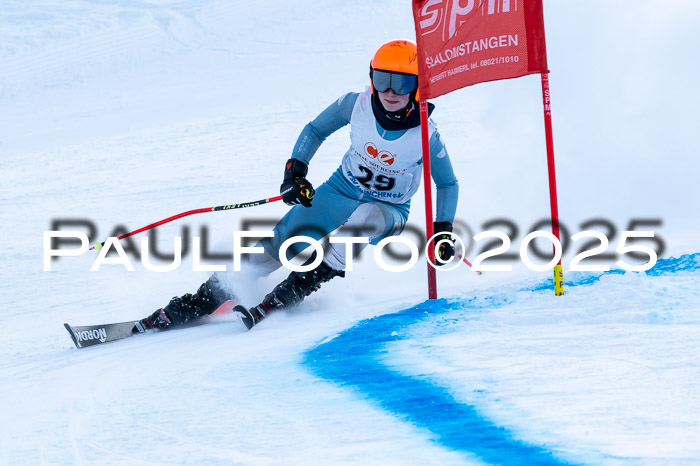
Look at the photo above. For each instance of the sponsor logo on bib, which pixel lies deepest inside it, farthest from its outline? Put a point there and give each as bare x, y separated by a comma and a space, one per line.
384, 157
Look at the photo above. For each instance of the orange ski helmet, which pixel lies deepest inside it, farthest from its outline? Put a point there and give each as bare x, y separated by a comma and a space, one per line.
395, 66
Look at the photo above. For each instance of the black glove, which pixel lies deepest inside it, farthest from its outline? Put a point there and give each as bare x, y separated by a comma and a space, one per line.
295, 188
446, 250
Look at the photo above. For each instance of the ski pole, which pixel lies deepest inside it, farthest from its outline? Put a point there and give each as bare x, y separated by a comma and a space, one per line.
464, 259
98, 246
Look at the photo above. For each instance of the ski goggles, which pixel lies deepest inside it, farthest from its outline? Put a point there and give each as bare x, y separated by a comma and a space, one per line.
398, 82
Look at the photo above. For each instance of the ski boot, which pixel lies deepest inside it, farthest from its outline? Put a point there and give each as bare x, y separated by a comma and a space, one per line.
186, 308
157, 320
289, 293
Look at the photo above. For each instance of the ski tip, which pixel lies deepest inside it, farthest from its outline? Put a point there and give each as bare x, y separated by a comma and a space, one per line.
72, 335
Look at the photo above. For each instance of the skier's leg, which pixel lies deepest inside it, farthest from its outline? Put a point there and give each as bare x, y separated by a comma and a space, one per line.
182, 309
375, 220
329, 210
289, 293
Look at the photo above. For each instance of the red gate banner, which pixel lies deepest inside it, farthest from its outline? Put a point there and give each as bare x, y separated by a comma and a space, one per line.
465, 42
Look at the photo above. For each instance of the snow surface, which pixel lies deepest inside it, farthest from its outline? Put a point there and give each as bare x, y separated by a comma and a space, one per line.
125, 112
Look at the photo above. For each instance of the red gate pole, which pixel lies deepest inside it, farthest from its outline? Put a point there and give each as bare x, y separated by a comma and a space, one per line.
546, 100
427, 187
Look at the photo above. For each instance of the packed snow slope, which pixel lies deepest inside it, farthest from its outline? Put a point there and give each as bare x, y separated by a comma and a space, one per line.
122, 113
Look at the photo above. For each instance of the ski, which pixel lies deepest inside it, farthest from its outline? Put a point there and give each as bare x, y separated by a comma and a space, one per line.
91, 335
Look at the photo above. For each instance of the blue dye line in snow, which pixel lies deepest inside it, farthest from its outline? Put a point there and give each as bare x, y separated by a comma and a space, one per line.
353, 359
685, 263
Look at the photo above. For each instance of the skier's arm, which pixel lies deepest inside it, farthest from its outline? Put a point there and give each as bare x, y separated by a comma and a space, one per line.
445, 180
326, 123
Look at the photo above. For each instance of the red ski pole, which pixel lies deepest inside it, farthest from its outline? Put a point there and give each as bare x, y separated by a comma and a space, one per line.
464, 259
98, 246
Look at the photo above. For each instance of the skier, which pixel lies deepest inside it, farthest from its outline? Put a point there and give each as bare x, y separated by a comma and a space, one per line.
370, 192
